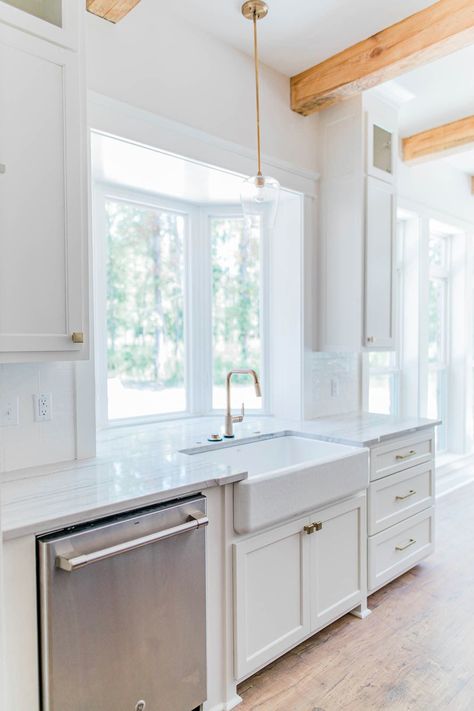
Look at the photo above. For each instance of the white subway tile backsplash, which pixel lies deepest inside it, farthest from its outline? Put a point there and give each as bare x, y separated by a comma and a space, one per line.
334, 384
34, 443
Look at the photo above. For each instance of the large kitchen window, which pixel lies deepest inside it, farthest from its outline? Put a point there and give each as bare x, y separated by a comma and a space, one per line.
437, 345
180, 303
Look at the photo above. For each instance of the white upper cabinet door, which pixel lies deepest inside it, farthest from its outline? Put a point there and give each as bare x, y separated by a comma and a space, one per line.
338, 561
42, 199
53, 20
380, 266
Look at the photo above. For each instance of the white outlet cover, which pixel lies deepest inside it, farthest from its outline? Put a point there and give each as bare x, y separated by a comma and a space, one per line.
9, 411
42, 404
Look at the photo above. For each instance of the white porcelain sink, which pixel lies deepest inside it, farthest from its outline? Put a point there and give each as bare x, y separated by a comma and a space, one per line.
289, 475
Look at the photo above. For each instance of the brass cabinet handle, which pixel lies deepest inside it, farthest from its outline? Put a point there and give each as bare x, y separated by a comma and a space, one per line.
312, 527
412, 492
411, 542
77, 337
411, 453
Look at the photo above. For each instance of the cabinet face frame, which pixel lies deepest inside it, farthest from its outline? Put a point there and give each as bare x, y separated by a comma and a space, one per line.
75, 211
374, 341
65, 35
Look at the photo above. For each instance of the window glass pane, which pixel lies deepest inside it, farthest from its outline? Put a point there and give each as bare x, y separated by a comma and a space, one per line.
437, 251
145, 310
236, 278
382, 359
436, 408
49, 10
436, 320
381, 394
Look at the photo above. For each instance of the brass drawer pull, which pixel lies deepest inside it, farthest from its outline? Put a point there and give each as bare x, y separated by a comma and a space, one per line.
412, 492
77, 337
411, 453
312, 527
411, 542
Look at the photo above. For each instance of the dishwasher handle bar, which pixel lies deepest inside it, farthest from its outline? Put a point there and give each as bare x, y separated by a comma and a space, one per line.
195, 520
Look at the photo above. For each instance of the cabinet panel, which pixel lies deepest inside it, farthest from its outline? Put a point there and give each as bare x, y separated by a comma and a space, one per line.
271, 595
393, 498
400, 547
41, 192
337, 557
379, 265
54, 20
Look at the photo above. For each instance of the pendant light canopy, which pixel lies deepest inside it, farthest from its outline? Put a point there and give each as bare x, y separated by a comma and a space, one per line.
260, 193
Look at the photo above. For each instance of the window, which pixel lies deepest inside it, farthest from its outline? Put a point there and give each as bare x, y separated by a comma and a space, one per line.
438, 262
383, 383
236, 285
180, 300
145, 310
382, 368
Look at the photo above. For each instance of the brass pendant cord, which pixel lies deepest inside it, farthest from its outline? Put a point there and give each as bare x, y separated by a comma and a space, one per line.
257, 90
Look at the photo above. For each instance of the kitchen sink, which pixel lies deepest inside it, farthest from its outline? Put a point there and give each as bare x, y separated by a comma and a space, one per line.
287, 476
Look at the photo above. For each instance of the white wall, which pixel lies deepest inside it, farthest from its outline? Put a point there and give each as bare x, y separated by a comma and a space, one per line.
179, 72
439, 186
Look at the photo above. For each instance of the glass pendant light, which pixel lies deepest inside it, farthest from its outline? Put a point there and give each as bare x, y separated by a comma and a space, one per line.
260, 193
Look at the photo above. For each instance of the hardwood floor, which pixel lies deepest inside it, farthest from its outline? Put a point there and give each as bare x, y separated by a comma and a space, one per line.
415, 652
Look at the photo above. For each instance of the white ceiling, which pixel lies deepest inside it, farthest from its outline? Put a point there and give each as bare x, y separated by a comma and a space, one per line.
297, 34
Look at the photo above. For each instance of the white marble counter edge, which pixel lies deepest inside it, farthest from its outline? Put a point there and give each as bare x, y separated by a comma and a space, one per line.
57, 522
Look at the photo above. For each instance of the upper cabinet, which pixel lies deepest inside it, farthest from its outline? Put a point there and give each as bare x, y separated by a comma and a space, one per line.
43, 196
356, 256
52, 20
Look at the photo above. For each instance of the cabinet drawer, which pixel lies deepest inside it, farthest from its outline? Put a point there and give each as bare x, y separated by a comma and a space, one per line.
401, 454
400, 547
394, 498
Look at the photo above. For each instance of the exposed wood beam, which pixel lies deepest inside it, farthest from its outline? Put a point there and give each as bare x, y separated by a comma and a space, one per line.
440, 29
111, 10
438, 140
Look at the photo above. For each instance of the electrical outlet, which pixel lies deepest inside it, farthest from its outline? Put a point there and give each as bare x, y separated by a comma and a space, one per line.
9, 411
334, 387
43, 407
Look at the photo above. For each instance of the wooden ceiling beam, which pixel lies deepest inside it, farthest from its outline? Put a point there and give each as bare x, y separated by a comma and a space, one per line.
438, 30
448, 137
111, 10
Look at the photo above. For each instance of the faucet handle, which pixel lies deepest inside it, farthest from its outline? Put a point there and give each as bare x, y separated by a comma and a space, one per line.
239, 418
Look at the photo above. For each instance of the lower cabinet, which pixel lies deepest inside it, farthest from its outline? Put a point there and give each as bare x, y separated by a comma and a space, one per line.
293, 580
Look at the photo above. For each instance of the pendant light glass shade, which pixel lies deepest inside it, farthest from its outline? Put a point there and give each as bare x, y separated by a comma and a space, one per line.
259, 194
259, 197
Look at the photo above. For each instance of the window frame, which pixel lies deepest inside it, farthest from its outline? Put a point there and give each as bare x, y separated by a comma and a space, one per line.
394, 371
197, 301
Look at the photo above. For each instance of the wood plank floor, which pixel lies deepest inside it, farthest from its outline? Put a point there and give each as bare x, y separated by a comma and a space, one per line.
415, 652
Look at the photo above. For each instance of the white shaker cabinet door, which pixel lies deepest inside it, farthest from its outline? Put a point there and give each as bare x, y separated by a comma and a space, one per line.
380, 265
338, 561
42, 216
271, 595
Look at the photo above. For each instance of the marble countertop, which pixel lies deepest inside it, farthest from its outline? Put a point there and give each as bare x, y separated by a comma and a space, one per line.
139, 465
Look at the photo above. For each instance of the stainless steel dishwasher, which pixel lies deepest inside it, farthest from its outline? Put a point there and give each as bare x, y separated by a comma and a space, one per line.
122, 606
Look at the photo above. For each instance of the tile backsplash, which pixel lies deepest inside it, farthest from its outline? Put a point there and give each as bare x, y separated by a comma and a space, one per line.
32, 443
334, 384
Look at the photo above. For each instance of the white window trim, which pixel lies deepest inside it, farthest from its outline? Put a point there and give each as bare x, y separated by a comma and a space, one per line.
198, 333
